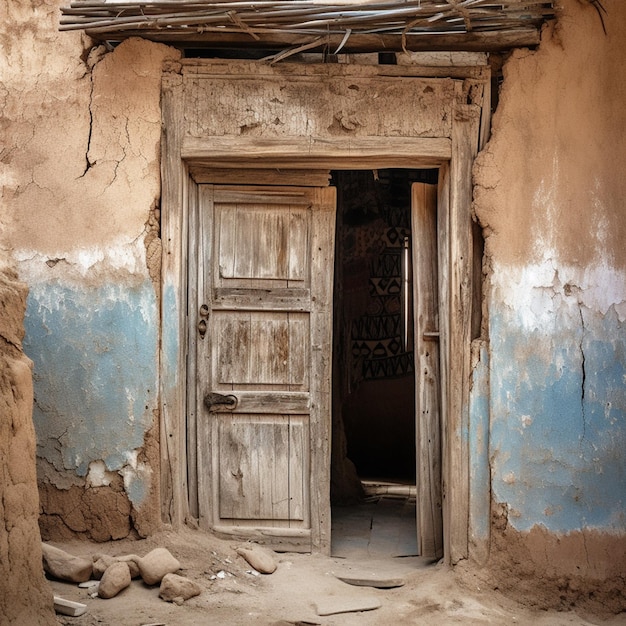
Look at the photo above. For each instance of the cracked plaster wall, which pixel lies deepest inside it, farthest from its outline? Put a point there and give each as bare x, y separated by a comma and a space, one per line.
25, 597
550, 192
81, 183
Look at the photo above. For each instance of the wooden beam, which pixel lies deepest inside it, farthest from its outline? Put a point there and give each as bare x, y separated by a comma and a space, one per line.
353, 153
237, 69
173, 350
487, 41
465, 131
237, 176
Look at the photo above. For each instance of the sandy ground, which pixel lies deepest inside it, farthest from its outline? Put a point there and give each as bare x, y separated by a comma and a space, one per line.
301, 586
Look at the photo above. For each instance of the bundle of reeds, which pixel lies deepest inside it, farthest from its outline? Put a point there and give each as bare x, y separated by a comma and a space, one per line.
311, 17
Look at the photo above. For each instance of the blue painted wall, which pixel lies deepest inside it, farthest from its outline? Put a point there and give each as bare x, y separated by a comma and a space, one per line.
95, 353
558, 411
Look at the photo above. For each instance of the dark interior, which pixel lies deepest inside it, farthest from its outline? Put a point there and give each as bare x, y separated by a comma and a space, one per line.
373, 380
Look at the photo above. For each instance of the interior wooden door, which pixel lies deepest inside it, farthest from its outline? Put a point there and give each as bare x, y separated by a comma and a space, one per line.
264, 363
427, 374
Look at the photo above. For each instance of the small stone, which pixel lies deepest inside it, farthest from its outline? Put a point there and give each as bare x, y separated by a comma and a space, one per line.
260, 559
115, 578
156, 564
101, 564
131, 559
89, 584
65, 566
174, 587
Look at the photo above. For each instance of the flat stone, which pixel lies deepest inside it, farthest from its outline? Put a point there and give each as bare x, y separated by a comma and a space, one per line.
115, 579
68, 607
346, 604
371, 580
261, 559
174, 586
156, 564
64, 566
89, 584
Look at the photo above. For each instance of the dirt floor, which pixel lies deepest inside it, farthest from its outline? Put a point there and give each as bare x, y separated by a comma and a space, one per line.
300, 588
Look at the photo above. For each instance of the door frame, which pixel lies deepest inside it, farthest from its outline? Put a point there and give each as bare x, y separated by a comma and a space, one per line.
453, 156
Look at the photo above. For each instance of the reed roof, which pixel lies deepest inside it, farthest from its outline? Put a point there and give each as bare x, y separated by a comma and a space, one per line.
346, 25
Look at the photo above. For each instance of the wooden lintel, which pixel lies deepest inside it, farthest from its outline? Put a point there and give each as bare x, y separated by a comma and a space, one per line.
353, 153
241, 69
488, 41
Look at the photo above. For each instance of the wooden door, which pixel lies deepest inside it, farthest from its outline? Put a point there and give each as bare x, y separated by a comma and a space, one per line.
427, 374
264, 363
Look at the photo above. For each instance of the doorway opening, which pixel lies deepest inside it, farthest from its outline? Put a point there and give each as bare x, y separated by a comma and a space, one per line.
373, 470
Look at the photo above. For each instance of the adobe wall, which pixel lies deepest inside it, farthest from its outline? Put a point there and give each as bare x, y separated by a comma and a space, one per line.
80, 170
550, 194
25, 597
81, 129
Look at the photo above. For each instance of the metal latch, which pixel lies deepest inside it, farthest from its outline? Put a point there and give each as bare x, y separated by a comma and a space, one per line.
217, 401
202, 326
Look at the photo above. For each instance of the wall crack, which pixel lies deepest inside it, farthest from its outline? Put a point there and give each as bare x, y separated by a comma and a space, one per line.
583, 373
88, 163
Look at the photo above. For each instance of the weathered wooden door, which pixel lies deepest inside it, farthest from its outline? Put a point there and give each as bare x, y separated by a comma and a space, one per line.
427, 375
264, 362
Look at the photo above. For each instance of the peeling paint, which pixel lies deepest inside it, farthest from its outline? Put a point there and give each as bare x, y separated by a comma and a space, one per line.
95, 373
480, 479
558, 399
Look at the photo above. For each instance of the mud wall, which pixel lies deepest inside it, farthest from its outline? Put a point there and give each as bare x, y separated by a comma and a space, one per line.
25, 597
550, 193
80, 165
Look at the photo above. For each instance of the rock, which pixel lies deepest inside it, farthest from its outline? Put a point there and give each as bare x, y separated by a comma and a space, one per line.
131, 559
64, 566
156, 564
68, 607
174, 587
115, 578
346, 604
371, 580
260, 559
101, 564
103, 561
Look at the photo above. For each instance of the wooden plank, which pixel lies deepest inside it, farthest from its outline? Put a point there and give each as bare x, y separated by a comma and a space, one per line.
464, 146
256, 348
239, 176
336, 107
298, 237
357, 43
255, 459
427, 388
322, 262
280, 196
239, 67
193, 316
174, 502
206, 453
288, 299
445, 355
291, 402
333, 153
281, 540
299, 469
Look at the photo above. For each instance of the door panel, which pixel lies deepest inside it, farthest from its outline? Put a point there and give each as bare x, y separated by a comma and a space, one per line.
261, 348
261, 459
265, 274
427, 375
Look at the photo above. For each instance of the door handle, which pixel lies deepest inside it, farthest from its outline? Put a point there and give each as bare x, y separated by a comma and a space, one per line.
216, 401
